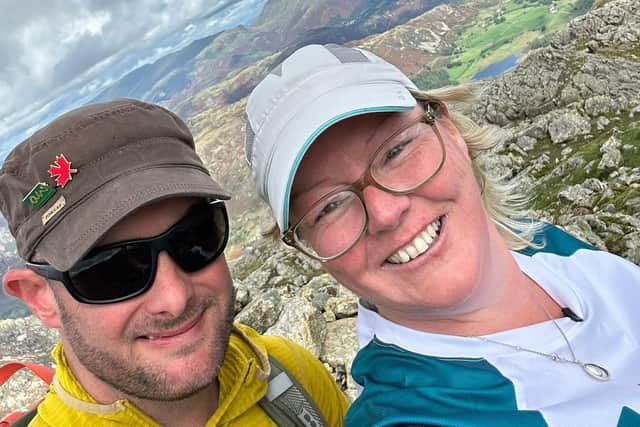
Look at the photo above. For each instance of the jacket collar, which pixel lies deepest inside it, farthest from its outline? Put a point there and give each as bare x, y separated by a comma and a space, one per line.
242, 380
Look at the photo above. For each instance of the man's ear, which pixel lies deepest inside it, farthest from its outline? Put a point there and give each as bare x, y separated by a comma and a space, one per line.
35, 292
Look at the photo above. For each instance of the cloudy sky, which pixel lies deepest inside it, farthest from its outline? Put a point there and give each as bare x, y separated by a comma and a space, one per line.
49, 48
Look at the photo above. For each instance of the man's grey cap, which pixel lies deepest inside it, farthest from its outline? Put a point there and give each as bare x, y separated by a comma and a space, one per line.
314, 88
127, 154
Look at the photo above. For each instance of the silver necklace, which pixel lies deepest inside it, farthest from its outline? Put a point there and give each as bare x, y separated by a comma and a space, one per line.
594, 370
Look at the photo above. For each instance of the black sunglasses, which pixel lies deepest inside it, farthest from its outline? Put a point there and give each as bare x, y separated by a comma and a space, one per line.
124, 270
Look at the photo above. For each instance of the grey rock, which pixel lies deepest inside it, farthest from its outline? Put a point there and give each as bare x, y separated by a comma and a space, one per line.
577, 195
284, 283
319, 289
29, 340
25, 340
319, 301
580, 228
259, 279
569, 95
339, 349
537, 128
595, 185
263, 311
599, 104
322, 281
632, 244
526, 143
602, 122
345, 306
243, 297
301, 322
629, 177
611, 155
633, 204
593, 46
568, 125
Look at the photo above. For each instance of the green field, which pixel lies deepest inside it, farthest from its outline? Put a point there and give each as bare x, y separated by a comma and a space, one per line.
509, 27
503, 30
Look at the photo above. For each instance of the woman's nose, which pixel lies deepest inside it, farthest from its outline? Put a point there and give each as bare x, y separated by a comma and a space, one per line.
384, 209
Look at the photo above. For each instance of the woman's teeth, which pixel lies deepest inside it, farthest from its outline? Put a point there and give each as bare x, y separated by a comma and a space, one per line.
420, 244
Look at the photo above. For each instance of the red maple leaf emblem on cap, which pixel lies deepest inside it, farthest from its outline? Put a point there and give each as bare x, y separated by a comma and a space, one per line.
61, 170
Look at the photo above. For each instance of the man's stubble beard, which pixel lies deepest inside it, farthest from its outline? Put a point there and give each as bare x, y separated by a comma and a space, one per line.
138, 378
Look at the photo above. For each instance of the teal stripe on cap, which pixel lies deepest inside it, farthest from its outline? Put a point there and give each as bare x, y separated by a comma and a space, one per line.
314, 135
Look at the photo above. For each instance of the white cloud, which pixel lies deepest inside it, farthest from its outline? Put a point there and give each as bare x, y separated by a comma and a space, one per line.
45, 45
61, 48
91, 24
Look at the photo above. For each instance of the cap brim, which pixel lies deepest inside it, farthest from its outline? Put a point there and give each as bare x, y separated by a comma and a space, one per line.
303, 129
87, 222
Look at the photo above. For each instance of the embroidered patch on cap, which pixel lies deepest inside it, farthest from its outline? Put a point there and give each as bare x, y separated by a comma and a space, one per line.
54, 209
61, 170
39, 195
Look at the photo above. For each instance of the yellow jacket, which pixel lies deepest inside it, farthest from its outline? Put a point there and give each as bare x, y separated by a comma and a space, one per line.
242, 378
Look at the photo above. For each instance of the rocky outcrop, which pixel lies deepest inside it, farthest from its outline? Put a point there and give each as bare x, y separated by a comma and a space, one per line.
570, 116
567, 73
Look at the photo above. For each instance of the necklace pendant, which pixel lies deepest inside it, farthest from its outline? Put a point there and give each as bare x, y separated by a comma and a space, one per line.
596, 372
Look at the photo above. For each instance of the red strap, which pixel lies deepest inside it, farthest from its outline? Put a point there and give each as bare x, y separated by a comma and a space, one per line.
11, 418
10, 368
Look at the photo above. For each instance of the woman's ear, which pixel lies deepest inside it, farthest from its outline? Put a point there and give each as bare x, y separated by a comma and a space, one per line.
35, 291
443, 109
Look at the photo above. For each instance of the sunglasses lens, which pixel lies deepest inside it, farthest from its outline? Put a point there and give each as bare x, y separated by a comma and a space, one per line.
196, 243
113, 274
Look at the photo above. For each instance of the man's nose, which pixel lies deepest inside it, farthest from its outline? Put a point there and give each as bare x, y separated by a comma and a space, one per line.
171, 289
384, 209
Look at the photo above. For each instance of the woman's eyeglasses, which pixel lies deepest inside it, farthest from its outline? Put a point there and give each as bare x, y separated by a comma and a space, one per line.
405, 161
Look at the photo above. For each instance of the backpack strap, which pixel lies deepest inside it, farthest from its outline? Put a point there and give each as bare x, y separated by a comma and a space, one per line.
287, 402
19, 419
7, 370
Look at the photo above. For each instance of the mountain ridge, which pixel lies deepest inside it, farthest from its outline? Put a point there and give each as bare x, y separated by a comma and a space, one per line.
175, 78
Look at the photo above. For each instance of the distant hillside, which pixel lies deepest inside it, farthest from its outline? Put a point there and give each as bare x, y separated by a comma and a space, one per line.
161, 80
177, 77
450, 44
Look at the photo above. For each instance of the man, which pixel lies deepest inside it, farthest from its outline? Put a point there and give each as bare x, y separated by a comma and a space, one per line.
123, 230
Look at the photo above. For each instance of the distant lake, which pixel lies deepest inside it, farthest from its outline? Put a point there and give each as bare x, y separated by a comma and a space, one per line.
497, 68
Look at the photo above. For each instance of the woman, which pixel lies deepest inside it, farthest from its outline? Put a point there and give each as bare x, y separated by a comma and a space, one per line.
457, 328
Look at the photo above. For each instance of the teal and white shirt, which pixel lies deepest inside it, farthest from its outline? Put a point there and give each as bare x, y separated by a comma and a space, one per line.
410, 377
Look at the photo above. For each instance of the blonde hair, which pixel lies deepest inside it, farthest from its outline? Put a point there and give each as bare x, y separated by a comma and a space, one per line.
504, 204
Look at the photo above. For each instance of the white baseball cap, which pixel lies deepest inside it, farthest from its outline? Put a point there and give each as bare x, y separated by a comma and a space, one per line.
314, 88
